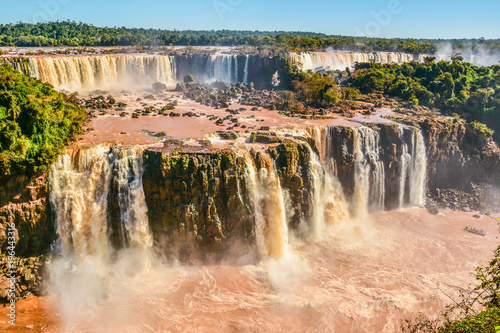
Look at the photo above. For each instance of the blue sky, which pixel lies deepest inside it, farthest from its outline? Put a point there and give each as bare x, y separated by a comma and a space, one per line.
374, 18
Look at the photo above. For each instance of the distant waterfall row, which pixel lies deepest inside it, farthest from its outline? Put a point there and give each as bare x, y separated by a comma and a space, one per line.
85, 73
100, 204
340, 60
75, 73
331, 61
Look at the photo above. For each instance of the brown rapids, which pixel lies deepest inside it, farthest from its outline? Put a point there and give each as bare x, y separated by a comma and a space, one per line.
365, 276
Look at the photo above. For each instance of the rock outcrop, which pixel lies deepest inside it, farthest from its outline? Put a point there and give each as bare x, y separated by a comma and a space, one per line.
200, 196
24, 204
463, 165
195, 197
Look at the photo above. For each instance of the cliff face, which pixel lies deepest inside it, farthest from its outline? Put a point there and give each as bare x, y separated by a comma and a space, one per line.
459, 155
201, 198
232, 68
24, 203
195, 197
463, 165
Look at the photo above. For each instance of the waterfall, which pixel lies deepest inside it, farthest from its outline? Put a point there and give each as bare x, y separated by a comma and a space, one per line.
99, 204
222, 67
369, 172
133, 223
234, 72
413, 165
340, 60
271, 228
103, 72
405, 164
245, 70
418, 169
328, 204
82, 185
370, 179
329, 207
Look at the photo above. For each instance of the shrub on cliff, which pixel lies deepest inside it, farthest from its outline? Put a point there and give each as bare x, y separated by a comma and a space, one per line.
482, 129
478, 313
35, 123
453, 86
317, 90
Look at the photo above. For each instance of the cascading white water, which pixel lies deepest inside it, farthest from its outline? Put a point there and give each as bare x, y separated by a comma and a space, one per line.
340, 60
222, 67
405, 164
245, 70
366, 179
369, 174
328, 204
329, 207
128, 170
80, 183
418, 169
413, 164
268, 201
103, 72
329, 61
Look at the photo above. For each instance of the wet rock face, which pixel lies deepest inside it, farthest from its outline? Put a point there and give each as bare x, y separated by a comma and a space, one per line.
341, 150
24, 203
292, 161
196, 196
391, 144
28, 278
261, 69
201, 198
463, 167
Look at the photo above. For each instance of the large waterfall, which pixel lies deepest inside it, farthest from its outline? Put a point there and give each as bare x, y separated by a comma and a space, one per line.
362, 165
84, 73
100, 205
271, 229
76, 73
340, 60
98, 201
222, 67
90, 72
369, 171
106, 219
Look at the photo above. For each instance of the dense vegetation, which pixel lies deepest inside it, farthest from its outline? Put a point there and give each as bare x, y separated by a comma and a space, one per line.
35, 123
68, 33
478, 313
453, 87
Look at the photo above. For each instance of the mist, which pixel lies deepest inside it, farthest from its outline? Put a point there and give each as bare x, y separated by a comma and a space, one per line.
478, 57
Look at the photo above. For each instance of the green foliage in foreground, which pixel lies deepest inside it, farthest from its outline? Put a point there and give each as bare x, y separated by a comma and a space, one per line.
454, 87
35, 123
479, 313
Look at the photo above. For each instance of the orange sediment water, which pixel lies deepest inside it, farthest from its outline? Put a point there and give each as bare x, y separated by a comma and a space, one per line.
363, 276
